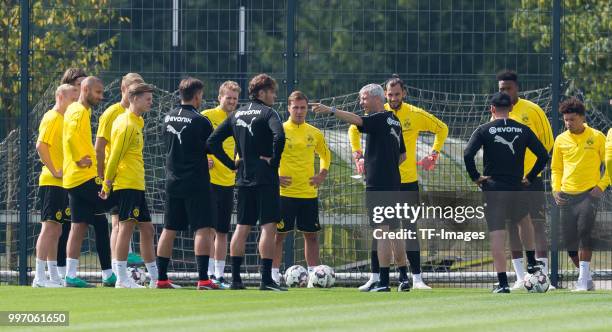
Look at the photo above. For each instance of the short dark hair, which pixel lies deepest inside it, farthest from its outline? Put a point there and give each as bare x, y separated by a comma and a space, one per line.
138, 89
259, 83
189, 87
507, 75
501, 100
296, 95
393, 81
572, 105
72, 74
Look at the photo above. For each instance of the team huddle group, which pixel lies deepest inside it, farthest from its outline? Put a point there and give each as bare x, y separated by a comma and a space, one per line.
271, 165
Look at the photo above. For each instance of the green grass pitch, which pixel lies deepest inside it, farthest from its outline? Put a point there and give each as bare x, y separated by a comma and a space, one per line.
336, 309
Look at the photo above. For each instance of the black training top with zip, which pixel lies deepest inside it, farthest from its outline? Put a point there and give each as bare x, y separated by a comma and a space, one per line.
186, 132
384, 145
504, 142
258, 131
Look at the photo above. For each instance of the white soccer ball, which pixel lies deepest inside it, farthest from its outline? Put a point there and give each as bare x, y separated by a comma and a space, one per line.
537, 282
296, 276
323, 276
138, 274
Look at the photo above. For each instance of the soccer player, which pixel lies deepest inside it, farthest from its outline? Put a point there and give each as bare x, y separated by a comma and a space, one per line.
414, 121
578, 184
385, 151
298, 182
102, 147
222, 180
53, 197
531, 115
609, 153
260, 140
125, 175
74, 77
187, 183
504, 142
81, 181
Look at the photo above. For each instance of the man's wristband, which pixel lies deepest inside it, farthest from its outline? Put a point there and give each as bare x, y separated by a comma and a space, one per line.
332, 110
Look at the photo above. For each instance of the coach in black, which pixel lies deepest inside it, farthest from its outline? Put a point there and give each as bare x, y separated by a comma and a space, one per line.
385, 151
260, 140
187, 183
504, 142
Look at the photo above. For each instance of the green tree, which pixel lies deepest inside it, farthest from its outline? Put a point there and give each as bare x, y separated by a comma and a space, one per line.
63, 33
586, 41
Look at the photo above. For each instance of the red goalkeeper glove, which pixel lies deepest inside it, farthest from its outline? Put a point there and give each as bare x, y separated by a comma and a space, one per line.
359, 162
429, 162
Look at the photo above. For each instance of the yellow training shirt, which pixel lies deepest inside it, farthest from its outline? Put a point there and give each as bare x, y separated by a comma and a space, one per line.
414, 120
531, 115
576, 161
609, 154
50, 133
76, 143
220, 174
105, 125
125, 165
297, 161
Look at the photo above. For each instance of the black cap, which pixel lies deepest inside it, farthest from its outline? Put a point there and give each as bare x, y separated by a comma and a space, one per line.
500, 99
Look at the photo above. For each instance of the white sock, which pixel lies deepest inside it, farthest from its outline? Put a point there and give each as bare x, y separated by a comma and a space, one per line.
107, 273
417, 278
374, 277
114, 265
152, 269
585, 274
53, 274
310, 269
219, 268
211, 267
71, 267
40, 270
545, 261
122, 275
519, 268
61, 270
276, 274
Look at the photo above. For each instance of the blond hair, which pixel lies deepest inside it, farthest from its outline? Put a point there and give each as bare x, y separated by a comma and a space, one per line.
62, 89
229, 85
131, 78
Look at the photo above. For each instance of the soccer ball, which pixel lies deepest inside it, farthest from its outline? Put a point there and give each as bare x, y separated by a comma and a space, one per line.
537, 282
323, 276
138, 274
296, 276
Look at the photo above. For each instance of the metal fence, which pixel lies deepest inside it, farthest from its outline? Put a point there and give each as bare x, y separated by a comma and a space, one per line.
447, 51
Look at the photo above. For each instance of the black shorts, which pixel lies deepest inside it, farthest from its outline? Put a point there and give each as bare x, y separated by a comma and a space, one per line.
303, 211
222, 202
53, 204
503, 201
578, 221
258, 203
536, 199
85, 203
113, 205
193, 211
131, 205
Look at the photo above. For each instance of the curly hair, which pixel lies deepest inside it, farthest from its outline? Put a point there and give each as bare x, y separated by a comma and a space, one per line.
261, 82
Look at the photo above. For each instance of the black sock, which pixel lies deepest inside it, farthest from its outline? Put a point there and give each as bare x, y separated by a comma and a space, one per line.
403, 273
236, 263
414, 258
374, 261
530, 257
266, 270
503, 279
61, 244
202, 261
162, 266
384, 277
103, 241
